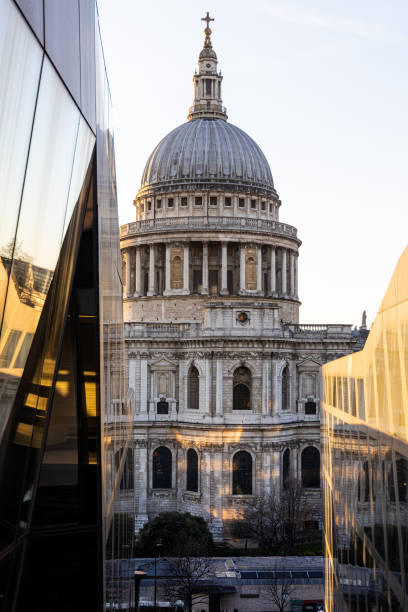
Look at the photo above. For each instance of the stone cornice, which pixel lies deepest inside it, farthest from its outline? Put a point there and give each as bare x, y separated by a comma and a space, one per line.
213, 224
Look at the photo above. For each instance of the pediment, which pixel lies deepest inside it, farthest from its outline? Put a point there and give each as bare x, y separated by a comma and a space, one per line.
309, 363
163, 364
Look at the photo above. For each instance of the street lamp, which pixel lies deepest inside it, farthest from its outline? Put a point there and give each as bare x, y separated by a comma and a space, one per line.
159, 545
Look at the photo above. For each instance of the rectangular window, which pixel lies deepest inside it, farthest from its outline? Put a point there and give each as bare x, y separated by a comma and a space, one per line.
263, 205
213, 201
253, 204
158, 204
208, 87
227, 201
197, 281
170, 203
241, 202
270, 207
198, 201
149, 205
213, 281
249, 595
184, 201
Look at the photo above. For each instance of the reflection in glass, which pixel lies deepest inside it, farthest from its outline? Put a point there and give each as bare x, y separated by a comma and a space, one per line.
365, 434
20, 66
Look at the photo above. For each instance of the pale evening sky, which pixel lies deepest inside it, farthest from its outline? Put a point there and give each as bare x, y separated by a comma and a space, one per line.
320, 86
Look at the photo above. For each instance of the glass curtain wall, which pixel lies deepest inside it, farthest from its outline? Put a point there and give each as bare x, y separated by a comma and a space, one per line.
64, 414
365, 463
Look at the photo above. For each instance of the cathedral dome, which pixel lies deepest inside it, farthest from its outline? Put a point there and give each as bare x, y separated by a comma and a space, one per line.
206, 151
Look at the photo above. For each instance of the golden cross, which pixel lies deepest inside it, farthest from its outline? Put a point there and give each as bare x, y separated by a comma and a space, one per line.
207, 18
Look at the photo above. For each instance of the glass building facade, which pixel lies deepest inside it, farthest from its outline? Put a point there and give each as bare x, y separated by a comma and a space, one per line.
365, 463
64, 415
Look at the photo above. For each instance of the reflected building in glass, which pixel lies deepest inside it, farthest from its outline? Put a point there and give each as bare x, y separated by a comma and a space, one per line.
63, 410
365, 463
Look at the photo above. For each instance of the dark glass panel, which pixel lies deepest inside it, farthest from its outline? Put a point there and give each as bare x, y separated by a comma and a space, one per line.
87, 47
192, 470
197, 280
62, 41
162, 461
20, 67
310, 467
310, 408
34, 13
162, 407
58, 493
193, 388
242, 473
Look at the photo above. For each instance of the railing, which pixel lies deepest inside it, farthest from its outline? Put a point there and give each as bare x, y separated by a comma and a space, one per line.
202, 223
196, 330
212, 107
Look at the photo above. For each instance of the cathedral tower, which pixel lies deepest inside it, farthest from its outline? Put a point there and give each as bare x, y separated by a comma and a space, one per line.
225, 382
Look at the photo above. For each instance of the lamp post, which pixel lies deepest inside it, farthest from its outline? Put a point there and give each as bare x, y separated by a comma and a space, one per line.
157, 547
138, 576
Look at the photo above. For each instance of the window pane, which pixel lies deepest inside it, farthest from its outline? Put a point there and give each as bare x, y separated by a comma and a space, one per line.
87, 44
62, 41
20, 66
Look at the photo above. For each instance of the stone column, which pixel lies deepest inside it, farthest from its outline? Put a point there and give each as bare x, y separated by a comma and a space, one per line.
292, 273
273, 271
242, 268
138, 272
167, 280
217, 493
151, 271
207, 386
276, 457
219, 389
224, 268
266, 472
259, 271
127, 253
294, 450
284, 276
186, 270
141, 485
205, 473
266, 387
296, 275
143, 385
204, 288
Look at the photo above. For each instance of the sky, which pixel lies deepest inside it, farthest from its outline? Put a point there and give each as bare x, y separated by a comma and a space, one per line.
321, 86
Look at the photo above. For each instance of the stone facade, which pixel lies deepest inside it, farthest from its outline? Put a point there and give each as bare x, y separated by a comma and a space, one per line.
218, 363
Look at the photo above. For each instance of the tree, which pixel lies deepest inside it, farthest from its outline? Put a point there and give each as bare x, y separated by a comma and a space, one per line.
276, 521
174, 530
280, 589
186, 574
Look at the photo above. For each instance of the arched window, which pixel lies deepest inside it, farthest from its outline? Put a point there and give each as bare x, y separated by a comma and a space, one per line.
242, 389
285, 388
192, 470
286, 468
193, 388
162, 468
311, 467
242, 474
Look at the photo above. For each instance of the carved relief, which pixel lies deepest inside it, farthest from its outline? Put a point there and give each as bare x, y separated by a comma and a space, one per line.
176, 267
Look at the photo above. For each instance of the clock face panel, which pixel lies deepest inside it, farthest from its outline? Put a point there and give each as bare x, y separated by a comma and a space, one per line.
208, 65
